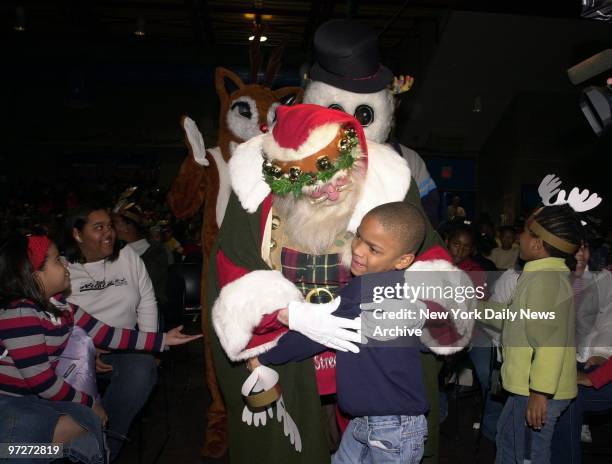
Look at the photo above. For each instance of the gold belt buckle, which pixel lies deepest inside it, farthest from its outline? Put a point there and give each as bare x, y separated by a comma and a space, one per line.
315, 292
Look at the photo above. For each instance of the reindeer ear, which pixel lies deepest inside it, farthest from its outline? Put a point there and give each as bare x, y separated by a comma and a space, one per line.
226, 82
289, 95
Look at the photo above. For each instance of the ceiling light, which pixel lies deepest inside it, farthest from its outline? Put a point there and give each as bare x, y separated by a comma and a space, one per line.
20, 25
140, 27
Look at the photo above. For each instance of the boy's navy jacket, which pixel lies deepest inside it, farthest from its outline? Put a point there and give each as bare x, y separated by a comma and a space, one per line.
380, 380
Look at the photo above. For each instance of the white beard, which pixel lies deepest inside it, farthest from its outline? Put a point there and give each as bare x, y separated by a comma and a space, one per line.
314, 228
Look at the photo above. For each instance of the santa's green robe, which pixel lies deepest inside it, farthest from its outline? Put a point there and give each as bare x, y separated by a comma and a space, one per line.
249, 297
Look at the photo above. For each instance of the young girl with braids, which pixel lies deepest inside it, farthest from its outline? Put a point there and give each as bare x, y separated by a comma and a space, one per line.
37, 404
539, 367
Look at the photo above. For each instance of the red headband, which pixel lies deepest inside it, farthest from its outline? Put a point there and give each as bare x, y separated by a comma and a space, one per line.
38, 245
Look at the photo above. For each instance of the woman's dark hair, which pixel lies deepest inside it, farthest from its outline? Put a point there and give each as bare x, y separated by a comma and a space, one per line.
563, 222
77, 220
462, 228
17, 279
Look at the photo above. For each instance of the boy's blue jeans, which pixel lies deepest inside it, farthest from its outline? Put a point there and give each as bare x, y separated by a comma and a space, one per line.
383, 440
513, 432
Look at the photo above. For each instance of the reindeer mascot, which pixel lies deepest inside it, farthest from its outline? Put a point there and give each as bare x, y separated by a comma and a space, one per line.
247, 110
298, 194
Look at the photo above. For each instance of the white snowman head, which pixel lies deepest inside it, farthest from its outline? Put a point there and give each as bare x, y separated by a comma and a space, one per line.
347, 75
373, 110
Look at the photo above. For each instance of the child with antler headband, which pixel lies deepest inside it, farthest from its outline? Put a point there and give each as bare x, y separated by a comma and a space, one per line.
539, 368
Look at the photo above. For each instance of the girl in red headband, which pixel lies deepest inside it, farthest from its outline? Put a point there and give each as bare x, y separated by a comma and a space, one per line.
36, 322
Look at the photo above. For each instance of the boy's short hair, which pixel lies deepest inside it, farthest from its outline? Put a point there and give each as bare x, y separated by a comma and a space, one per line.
405, 221
509, 229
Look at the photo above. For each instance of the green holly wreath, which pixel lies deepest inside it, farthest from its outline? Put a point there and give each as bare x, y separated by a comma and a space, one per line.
295, 180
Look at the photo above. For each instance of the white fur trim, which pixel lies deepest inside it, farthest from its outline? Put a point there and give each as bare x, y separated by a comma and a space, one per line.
464, 327
318, 139
266, 240
382, 102
242, 303
246, 176
225, 187
387, 180
232, 147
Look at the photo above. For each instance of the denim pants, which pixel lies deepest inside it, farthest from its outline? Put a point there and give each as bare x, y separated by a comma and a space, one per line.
133, 377
492, 408
566, 441
514, 436
30, 419
383, 440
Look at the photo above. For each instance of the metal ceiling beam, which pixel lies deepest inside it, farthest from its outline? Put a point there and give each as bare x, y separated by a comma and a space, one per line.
551, 8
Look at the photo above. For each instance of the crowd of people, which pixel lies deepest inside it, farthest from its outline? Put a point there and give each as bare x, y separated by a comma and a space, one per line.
74, 274
311, 209
113, 257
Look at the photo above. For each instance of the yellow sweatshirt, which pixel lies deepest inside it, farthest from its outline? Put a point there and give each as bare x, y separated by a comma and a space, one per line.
539, 343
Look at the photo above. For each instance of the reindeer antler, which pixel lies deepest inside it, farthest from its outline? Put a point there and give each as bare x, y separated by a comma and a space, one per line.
123, 202
580, 201
274, 64
255, 56
549, 188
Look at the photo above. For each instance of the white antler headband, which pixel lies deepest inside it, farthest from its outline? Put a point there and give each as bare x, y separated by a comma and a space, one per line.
580, 201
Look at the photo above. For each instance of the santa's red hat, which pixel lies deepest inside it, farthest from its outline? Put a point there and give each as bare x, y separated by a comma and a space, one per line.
302, 130
310, 144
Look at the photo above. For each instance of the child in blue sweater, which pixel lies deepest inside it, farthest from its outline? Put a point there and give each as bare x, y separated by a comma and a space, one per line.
381, 386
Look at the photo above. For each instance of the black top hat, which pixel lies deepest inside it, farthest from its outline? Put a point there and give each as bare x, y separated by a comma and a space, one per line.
346, 55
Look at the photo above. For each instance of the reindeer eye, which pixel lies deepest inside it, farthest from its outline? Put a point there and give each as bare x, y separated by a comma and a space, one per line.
243, 108
364, 114
335, 106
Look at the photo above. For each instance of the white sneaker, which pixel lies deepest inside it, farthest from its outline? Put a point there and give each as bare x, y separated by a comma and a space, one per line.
585, 434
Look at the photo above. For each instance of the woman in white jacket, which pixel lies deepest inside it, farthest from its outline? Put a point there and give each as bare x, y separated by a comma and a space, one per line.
113, 285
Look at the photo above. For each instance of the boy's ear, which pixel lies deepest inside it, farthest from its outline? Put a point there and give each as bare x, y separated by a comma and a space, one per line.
404, 261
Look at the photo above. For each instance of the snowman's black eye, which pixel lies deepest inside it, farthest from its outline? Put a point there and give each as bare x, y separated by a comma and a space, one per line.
335, 106
364, 114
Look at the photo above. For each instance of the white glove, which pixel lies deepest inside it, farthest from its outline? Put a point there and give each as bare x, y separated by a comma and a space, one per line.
316, 322
195, 139
249, 417
262, 378
289, 427
371, 322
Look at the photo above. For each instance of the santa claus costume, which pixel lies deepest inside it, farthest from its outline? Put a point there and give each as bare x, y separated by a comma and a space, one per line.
298, 194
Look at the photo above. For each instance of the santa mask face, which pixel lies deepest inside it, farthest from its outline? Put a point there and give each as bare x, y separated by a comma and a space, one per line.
373, 110
313, 153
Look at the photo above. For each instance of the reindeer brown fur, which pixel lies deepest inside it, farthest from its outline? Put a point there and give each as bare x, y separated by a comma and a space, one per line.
246, 110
